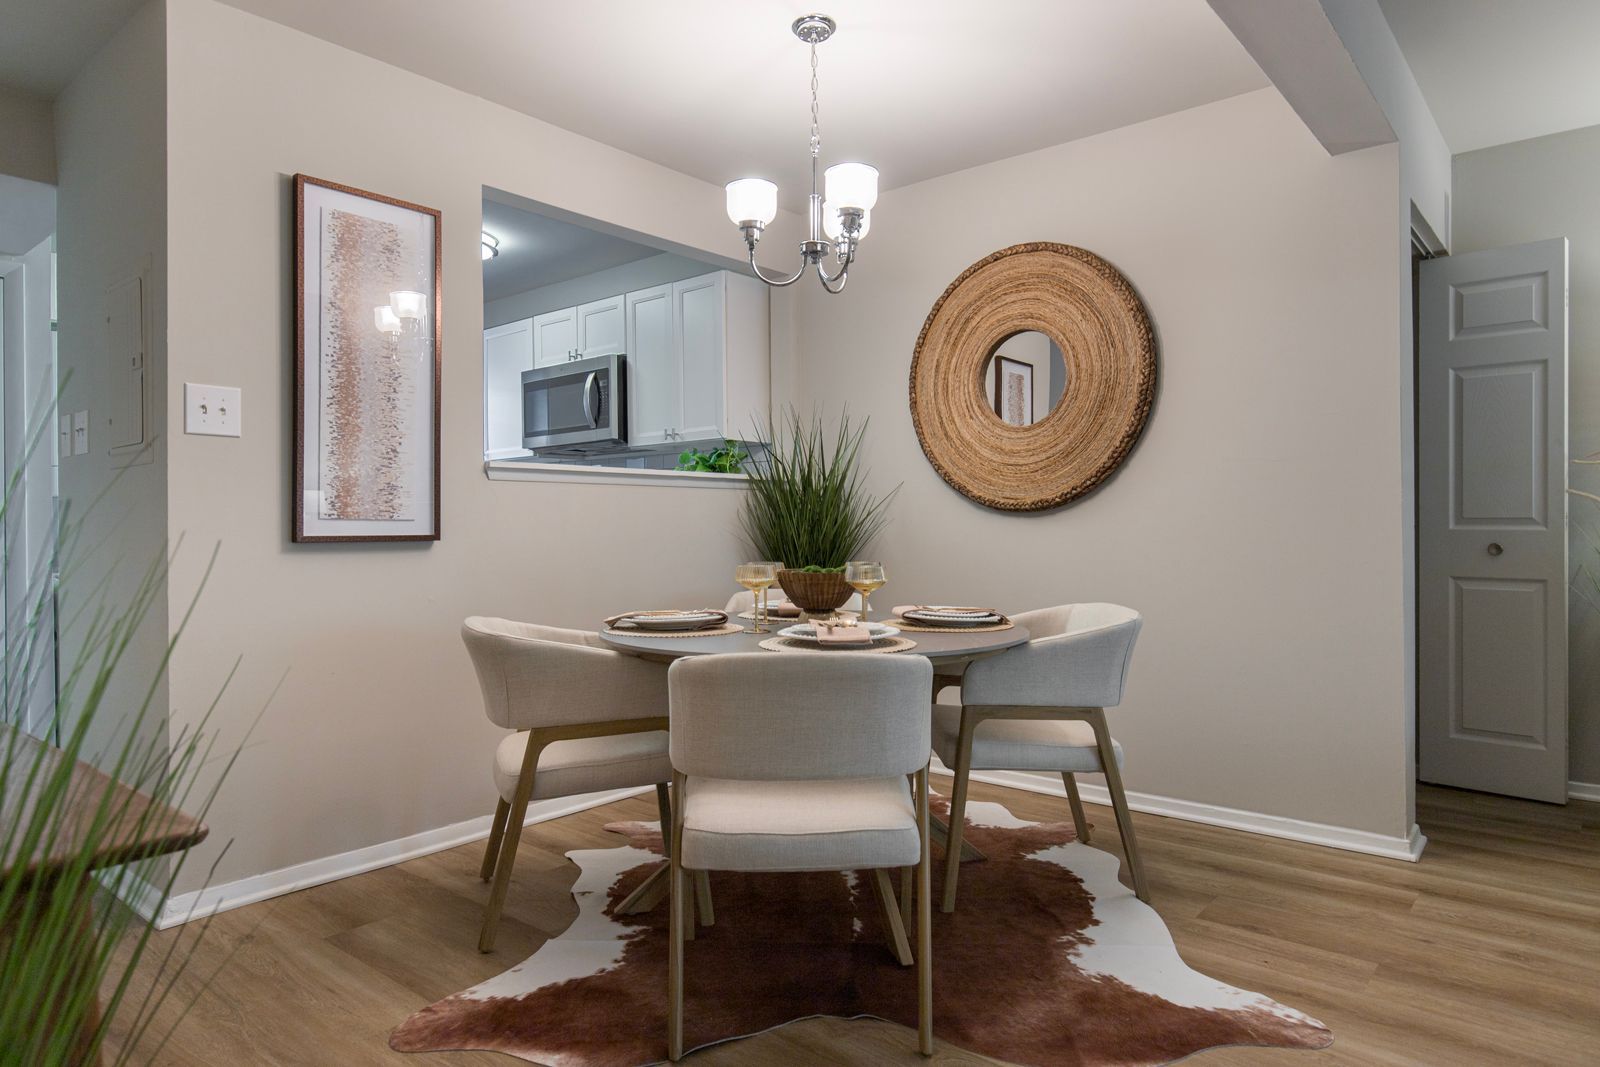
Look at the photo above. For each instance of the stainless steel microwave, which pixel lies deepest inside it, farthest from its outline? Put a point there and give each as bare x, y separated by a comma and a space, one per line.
576, 408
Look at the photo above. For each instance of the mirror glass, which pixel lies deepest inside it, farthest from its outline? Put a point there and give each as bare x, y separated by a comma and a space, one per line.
1025, 378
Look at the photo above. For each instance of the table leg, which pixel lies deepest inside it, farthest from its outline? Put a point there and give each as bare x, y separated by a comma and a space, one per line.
941, 834
651, 892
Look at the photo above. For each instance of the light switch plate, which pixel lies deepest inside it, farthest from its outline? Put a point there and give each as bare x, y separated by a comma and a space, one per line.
211, 409
80, 433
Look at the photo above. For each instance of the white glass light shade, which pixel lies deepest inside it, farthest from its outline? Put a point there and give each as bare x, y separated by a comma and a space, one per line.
385, 319
752, 200
833, 225
851, 185
408, 304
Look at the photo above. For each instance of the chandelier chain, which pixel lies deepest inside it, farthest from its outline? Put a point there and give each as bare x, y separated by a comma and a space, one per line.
816, 131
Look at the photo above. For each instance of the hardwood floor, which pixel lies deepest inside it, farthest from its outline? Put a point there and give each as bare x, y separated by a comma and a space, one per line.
1485, 953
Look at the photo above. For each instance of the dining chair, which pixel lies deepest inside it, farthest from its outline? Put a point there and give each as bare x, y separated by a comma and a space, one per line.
587, 719
813, 776
1041, 707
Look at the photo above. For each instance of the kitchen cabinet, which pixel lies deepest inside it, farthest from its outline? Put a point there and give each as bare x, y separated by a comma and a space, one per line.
698, 361
655, 378
507, 352
555, 337
602, 329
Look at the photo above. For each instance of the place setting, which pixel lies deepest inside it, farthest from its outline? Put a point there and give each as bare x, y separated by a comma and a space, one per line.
672, 622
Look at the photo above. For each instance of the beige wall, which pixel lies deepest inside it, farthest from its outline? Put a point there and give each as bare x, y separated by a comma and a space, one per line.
111, 124
28, 147
378, 731
1256, 525
1528, 191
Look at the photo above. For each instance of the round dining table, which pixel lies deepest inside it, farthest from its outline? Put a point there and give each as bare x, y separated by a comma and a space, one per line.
947, 648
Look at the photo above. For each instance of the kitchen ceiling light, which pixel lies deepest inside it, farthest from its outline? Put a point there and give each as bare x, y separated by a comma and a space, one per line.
491, 245
852, 190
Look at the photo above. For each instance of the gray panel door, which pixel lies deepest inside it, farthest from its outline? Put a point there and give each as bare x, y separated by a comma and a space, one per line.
1492, 521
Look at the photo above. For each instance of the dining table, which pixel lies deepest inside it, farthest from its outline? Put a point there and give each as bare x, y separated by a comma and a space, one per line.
950, 650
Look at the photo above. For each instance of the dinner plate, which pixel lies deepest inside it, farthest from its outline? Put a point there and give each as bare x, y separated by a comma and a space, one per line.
668, 623
805, 631
954, 620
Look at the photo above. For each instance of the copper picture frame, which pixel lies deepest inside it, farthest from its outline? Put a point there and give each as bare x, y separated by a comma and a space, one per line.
368, 338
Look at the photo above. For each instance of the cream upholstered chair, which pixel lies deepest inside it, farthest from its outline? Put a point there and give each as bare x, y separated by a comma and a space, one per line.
1041, 707
587, 719
810, 777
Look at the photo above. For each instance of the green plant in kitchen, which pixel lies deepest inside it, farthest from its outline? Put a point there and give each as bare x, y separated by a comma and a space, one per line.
808, 504
729, 459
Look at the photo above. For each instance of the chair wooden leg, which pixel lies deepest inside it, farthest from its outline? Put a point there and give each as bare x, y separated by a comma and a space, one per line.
1080, 821
497, 830
958, 812
676, 924
894, 929
924, 925
1119, 802
508, 848
664, 809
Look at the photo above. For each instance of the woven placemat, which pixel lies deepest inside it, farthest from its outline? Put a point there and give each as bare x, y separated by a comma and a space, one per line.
917, 627
789, 644
712, 631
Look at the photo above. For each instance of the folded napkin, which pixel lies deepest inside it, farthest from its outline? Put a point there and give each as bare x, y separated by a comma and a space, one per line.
842, 633
784, 609
712, 616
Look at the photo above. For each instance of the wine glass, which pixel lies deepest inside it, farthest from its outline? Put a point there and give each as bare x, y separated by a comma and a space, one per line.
766, 607
758, 578
865, 578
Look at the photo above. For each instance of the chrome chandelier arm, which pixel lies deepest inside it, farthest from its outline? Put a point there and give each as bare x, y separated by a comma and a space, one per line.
843, 274
796, 276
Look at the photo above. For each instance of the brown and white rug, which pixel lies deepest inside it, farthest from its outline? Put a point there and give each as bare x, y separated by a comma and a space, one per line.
1048, 961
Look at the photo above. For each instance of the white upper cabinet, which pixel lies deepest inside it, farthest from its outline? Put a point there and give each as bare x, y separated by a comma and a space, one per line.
709, 377
507, 352
555, 337
655, 380
602, 330
698, 361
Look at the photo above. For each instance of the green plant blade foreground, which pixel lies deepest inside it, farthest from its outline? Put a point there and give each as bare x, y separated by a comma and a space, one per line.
72, 954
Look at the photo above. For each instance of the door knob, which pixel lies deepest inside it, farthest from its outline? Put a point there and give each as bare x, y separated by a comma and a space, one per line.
1494, 548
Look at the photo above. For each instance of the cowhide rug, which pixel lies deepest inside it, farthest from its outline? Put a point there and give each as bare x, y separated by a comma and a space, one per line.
1048, 961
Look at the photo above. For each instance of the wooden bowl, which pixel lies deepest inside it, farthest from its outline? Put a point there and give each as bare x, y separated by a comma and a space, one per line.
815, 592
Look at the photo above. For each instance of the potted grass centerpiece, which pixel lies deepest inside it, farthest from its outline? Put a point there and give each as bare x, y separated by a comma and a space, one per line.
807, 506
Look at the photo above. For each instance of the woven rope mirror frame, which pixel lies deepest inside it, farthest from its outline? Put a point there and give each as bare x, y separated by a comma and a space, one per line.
1091, 313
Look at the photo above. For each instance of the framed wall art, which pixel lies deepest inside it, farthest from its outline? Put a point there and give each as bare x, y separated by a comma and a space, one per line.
366, 419
1013, 391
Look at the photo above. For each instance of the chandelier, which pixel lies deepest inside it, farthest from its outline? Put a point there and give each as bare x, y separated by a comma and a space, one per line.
838, 218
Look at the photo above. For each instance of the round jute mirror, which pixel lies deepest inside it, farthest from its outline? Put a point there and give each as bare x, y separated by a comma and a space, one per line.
1033, 376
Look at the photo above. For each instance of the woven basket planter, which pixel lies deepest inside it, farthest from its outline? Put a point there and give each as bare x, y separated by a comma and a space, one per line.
1089, 310
815, 592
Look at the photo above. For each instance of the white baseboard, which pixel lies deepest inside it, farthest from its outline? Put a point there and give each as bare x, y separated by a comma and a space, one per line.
1407, 848
1583, 791
212, 899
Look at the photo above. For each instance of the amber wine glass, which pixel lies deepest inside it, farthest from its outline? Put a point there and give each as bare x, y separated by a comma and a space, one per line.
758, 578
865, 578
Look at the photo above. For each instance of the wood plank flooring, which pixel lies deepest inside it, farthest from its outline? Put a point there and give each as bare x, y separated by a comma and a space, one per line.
1485, 953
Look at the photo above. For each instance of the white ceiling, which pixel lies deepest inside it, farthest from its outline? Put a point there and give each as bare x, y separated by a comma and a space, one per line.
1496, 71
44, 42
537, 250
718, 88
